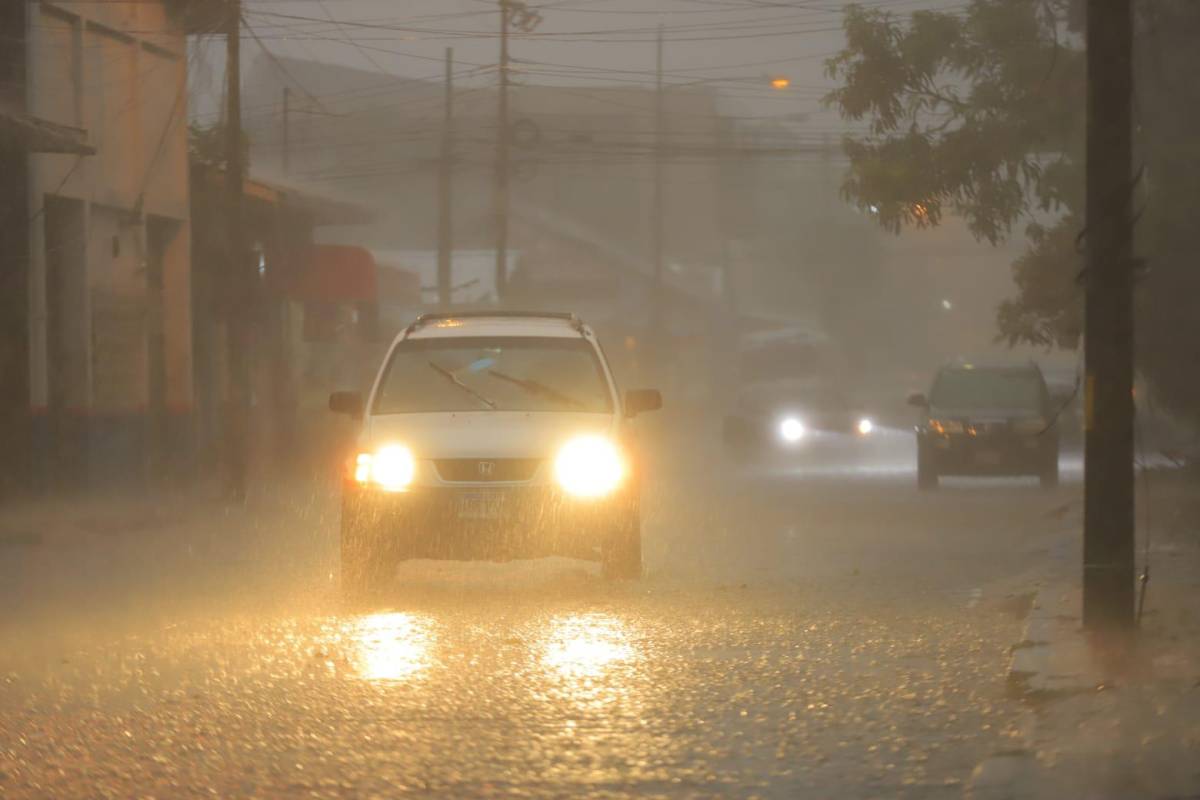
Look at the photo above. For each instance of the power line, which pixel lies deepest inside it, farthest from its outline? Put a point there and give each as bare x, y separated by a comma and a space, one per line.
274, 60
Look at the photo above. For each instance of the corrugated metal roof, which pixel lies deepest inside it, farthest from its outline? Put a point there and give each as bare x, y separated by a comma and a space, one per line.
324, 210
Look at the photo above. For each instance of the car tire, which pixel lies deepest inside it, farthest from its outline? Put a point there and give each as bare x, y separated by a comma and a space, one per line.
621, 551
1048, 477
927, 474
364, 564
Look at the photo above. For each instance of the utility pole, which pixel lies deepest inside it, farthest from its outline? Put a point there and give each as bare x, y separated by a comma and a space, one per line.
827, 190
727, 180
513, 13
238, 288
287, 133
657, 203
445, 178
502, 165
1108, 522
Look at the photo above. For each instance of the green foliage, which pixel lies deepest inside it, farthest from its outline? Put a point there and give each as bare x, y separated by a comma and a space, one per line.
206, 144
1046, 310
983, 114
977, 114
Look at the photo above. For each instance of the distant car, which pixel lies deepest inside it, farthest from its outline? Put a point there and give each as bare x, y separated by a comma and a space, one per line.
791, 416
788, 399
492, 435
986, 420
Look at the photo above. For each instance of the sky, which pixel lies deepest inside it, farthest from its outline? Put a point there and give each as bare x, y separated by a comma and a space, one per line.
736, 46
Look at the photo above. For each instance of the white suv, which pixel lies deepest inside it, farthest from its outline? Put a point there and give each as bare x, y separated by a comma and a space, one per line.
492, 435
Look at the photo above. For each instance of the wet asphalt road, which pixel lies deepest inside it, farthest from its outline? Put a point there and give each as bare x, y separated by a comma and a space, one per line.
812, 629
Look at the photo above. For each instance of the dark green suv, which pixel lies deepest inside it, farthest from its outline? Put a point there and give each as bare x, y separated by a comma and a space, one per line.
986, 420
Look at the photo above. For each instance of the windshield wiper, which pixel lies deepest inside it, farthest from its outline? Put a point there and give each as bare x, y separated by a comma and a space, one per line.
450, 376
536, 388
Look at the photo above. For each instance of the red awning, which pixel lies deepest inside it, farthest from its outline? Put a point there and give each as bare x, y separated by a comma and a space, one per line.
335, 273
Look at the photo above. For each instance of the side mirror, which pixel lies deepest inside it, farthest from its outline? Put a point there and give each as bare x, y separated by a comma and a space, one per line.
919, 400
350, 403
640, 400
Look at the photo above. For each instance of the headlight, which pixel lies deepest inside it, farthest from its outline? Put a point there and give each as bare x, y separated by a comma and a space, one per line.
865, 426
589, 466
946, 425
1030, 427
792, 430
391, 468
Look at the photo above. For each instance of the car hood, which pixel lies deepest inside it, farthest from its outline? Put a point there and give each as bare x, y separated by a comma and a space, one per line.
484, 434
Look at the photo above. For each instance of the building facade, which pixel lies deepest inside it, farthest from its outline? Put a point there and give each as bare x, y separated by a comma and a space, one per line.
108, 270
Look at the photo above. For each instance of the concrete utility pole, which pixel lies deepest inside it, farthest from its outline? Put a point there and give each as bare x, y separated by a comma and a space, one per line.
502, 164
238, 287
657, 203
513, 13
445, 179
1108, 523
287, 132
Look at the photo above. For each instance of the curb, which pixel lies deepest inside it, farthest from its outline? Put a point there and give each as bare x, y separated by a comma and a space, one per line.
1049, 660
1053, 657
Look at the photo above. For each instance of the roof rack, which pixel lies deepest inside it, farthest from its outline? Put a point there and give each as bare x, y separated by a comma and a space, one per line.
439, 316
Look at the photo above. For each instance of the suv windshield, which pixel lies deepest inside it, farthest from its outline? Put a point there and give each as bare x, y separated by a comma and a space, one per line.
517, 373
988, 388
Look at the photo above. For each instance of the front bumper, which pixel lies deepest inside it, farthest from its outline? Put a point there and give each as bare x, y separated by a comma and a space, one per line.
471, 522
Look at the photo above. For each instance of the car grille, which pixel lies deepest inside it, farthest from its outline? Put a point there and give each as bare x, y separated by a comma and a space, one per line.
477, 470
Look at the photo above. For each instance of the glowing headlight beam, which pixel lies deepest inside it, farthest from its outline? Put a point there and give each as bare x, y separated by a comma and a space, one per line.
391, 468
394, 468
589, 466
865, 426
792, 430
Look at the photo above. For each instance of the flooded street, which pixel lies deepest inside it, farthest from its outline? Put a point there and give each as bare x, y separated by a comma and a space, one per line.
853, 644
599, 398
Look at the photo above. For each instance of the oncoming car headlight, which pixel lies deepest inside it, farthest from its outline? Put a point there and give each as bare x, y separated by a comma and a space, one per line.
865, 426
792, 429
391, 468
589, 466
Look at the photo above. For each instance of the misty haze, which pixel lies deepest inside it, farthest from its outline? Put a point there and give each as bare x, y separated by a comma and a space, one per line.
599, 398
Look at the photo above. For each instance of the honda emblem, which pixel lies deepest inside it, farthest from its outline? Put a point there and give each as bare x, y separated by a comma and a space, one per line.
486, 468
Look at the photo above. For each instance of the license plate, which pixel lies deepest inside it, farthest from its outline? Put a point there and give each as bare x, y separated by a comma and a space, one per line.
480, 506
990, 457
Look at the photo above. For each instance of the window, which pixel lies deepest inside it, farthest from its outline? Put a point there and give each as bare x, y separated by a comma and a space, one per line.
988, 388
516, 373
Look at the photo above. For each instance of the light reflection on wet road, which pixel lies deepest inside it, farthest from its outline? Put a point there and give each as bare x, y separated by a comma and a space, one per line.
392, 646
852, 642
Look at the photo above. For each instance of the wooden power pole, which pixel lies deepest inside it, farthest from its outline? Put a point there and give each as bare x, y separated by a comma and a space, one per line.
238, 287
287, 131
445, 181
1108, 541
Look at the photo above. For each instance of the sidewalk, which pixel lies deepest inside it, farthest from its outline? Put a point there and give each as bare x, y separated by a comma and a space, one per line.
1115, 722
